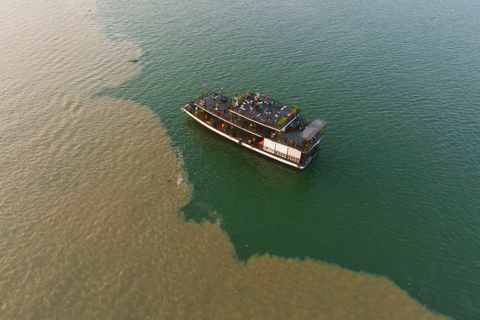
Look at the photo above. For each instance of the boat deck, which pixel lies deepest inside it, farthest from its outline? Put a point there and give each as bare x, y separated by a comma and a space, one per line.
266, 112
269, 112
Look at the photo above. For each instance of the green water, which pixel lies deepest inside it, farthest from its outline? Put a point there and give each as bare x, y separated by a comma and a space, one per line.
394, 190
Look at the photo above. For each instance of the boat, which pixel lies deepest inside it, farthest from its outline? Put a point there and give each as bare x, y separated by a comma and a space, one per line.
259, 123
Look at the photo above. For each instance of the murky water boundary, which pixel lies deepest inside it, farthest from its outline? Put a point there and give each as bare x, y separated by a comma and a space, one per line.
90, 195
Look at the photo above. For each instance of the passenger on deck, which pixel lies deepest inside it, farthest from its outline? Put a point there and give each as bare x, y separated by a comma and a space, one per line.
236, 99
247, 96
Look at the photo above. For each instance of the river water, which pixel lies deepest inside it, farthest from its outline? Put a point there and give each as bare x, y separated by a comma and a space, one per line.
114, 205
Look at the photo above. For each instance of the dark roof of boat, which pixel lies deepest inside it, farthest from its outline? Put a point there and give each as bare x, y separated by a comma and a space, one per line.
268, 113
313, 129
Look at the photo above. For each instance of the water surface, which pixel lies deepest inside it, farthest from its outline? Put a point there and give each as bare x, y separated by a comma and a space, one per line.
93, 187
394, 191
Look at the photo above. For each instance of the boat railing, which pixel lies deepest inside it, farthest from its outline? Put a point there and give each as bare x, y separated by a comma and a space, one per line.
258, 119
304, 148
229, 102
221, 113
218, 113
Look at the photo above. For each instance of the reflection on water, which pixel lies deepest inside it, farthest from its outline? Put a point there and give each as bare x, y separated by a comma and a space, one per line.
90, 192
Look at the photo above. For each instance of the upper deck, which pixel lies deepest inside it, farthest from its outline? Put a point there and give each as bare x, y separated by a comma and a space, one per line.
263, 117
262, 110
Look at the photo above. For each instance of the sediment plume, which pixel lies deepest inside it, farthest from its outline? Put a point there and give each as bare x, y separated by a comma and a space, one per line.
91, 195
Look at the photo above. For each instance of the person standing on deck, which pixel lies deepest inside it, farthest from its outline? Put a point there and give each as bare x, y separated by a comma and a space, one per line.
236, 99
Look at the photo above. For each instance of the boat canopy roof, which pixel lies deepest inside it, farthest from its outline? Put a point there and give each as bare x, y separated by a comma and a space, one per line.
313, 129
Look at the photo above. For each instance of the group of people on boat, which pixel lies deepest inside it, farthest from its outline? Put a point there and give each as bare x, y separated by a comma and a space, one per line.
252, 101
